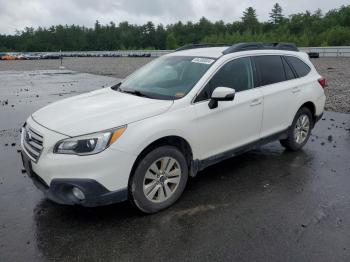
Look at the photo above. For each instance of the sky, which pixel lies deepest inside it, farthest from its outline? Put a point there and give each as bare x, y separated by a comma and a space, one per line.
18, 14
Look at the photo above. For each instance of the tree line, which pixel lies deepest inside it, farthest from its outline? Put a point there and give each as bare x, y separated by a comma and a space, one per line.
304, 29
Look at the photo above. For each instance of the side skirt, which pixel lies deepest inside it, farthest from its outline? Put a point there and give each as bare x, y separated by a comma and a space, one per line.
198, 165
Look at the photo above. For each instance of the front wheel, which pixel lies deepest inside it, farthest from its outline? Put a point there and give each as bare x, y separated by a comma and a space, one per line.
300, 130
159, 179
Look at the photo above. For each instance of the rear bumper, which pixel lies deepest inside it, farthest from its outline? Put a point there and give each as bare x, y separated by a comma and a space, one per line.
60, 190
318, 118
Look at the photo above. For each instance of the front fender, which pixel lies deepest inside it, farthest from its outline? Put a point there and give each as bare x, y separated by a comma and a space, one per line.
140, 134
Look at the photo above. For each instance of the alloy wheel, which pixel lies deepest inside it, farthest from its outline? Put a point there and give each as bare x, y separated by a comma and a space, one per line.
162, 179
302, 129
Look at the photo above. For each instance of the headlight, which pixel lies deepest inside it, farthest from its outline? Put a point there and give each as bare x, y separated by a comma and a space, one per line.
88, 144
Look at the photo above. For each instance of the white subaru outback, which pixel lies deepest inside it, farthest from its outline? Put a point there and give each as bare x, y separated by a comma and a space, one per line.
142, 138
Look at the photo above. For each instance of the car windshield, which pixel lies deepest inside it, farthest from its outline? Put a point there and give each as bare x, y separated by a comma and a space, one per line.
168, 77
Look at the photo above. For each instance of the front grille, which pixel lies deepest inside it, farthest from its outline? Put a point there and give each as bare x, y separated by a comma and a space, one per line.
32, 142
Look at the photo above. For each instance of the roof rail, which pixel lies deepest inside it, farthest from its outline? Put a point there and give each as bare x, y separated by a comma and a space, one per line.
260, 46
200, 45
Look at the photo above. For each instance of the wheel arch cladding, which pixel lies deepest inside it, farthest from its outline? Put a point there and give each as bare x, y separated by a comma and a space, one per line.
311, 106
179, 142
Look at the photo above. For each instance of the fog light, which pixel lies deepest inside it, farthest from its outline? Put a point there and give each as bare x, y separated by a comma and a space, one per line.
78, 193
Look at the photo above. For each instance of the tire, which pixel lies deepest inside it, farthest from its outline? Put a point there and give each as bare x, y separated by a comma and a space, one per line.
151, 189
291, 142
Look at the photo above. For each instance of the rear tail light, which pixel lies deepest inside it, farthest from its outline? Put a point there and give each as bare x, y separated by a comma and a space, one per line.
322, 82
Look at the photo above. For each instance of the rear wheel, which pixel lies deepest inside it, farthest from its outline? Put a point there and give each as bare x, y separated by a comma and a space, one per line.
159, 179
300, 130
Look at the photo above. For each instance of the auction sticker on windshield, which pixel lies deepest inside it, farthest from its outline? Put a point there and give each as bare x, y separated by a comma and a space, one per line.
201, 60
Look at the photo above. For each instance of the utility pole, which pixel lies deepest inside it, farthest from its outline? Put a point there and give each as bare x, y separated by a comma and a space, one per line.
61, 58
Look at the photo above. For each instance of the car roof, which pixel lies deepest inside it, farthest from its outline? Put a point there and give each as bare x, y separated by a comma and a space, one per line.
216, 52
213, 52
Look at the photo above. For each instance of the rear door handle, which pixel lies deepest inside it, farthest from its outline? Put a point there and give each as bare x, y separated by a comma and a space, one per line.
256, 102
296, 90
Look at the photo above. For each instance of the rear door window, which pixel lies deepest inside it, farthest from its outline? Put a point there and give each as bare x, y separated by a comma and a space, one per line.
299, 66
270, 69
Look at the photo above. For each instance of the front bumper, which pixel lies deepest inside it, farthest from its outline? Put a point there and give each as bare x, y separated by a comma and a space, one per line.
103, 177
60, 190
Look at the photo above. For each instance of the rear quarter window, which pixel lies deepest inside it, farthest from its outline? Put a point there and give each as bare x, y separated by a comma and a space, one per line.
299, 66
289, 72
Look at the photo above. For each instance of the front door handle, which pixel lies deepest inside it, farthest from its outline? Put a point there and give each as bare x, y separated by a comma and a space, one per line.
256, 102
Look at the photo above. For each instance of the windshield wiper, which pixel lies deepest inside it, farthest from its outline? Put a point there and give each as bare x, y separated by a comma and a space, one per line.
134, 92
116, 87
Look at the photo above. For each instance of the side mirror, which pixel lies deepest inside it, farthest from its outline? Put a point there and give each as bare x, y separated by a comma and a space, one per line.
221, 94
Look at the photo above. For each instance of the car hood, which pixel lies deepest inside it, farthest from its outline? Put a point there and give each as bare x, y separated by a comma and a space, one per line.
96, 111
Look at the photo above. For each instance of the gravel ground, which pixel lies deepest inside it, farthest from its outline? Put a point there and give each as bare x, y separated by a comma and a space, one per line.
336, 71
119, 67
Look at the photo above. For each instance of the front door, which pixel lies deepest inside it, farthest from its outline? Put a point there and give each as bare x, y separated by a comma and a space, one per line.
233, 123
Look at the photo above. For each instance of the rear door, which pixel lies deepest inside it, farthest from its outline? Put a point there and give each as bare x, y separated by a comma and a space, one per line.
304, 89
276, 82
